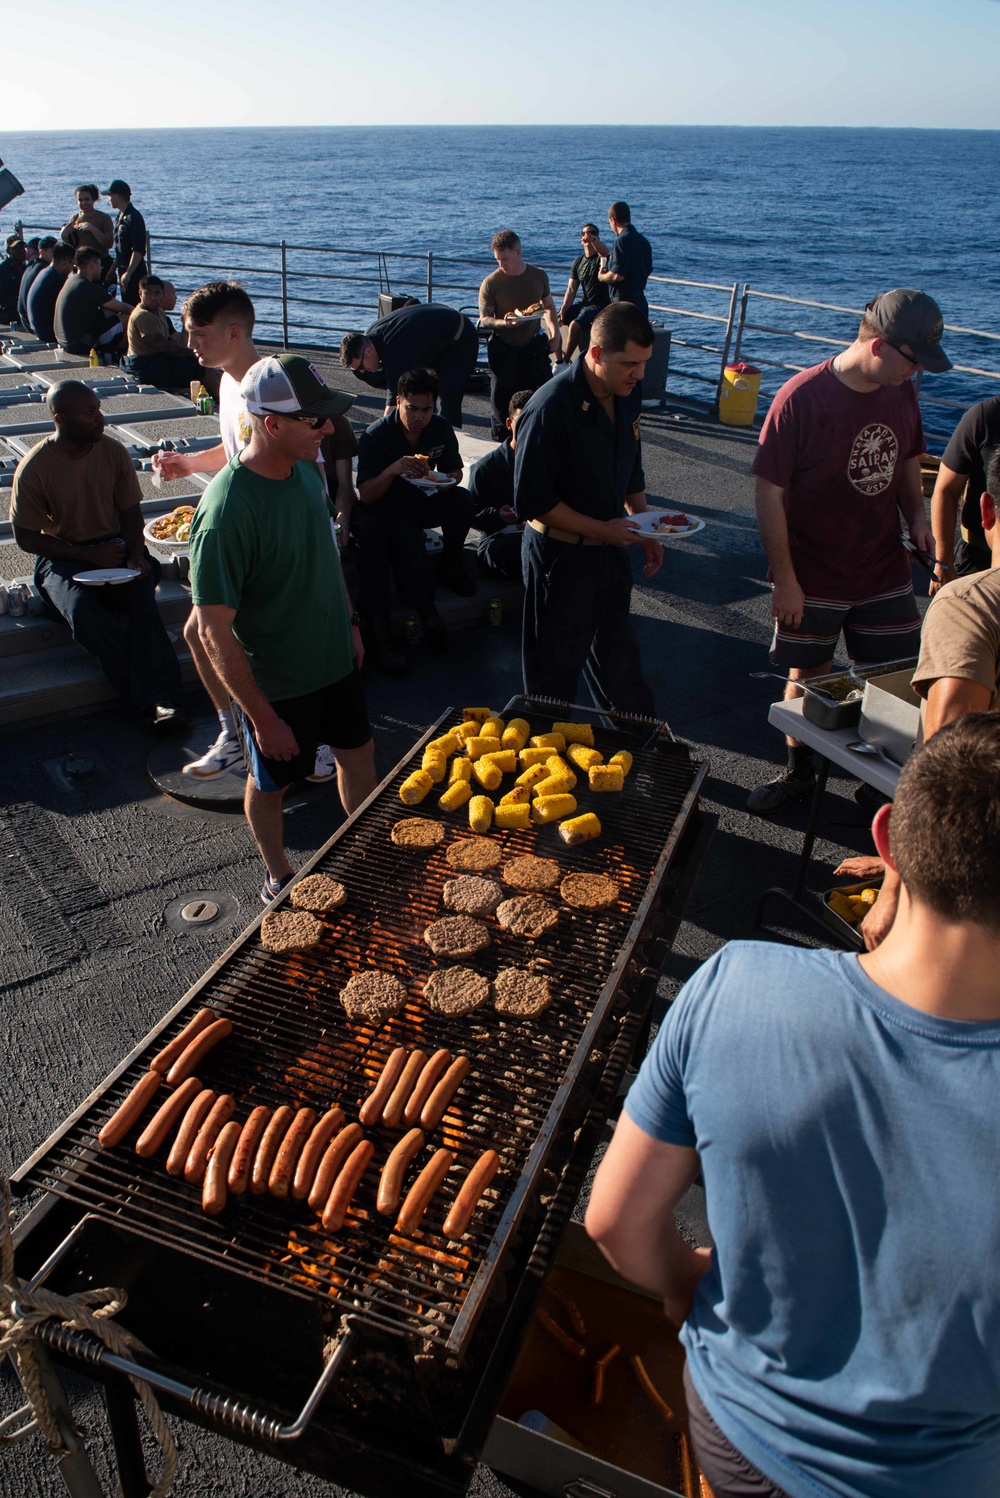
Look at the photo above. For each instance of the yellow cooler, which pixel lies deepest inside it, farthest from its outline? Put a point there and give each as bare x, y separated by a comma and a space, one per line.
738, 396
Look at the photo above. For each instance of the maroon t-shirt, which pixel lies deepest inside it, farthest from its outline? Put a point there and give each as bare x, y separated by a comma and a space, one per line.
839, 454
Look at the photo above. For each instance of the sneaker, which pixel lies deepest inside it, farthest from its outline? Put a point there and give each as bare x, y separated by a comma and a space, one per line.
781, 792
326, 765
166, 718
271, 888
225, 756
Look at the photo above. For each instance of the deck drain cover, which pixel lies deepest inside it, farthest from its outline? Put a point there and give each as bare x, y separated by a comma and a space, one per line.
200, 911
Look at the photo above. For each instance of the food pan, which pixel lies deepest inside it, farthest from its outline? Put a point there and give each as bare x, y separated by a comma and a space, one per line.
837, 923
839, 713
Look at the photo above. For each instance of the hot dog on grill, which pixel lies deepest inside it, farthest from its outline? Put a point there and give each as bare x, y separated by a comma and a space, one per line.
345, 1186
312, 1152
426, 1082
280, 1179
194, 1053
164, 1060
419, 1195
129, 1112
213, 1192
391, 1185
274, 1133
434, 1109
371, 1109
329, 1167
469, 1192
246, 1150
220, 1113
167, 1114
392, 1113
195, 1116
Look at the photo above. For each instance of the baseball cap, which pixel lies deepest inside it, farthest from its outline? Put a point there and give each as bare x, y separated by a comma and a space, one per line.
12, 240
286, 384
912, 317
119, 186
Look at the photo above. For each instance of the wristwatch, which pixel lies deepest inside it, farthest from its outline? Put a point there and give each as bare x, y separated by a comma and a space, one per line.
355, 620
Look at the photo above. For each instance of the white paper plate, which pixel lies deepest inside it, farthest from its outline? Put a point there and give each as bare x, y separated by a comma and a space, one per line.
167, 543
98, 576
532, 317
434, 480
648, 521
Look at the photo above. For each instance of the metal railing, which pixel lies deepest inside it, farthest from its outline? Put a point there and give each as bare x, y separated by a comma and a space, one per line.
310, 295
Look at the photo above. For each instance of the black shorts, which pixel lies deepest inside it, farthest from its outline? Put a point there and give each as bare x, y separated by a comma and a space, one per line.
335, 715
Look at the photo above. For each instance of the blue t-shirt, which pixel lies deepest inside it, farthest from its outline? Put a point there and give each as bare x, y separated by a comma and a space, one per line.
846, 1338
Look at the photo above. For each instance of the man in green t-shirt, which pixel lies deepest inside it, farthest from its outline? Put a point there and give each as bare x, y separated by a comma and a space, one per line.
271, 606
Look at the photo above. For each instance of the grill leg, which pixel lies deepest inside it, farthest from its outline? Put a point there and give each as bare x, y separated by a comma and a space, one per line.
120, 1403
78, 1476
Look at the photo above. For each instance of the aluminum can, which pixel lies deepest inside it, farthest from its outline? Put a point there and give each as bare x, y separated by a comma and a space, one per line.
17, 602
411, 628
494, 612
3, 597
205, 405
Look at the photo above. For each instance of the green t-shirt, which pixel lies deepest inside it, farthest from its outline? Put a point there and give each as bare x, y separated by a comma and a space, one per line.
265, 548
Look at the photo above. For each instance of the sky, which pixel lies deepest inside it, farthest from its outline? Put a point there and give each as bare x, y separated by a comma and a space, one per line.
666, 62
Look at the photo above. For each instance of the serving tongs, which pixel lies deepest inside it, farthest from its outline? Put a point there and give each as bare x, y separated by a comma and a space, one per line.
926, 559
804, 686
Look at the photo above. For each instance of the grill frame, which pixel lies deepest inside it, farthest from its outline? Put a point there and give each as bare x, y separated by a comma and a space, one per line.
572, 1081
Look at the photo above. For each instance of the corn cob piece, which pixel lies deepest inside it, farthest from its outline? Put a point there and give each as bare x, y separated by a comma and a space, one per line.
512, 816
552, 808
480, 813
487, 773
504, 759
519, 796
476, 714
415, 788
515, 735
606, 777
556, 765
480, 745
554, 785
435, 765
455, 796
622, 758
580, 829
575, 733
582, 757
461, 769
549, 741
534, 756
493, 728
532, 775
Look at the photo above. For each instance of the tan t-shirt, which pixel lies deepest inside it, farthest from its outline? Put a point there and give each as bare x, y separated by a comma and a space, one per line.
75, 499
145, 329
98, 235
500, 294
961, 635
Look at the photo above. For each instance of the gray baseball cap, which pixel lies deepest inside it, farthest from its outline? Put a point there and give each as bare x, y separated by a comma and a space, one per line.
912, 317
287, 384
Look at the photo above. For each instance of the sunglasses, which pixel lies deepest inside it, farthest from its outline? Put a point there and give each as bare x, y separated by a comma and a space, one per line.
316, 422
903, 354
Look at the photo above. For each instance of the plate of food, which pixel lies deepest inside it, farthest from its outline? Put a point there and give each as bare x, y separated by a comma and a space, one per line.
431, 478
527, 314
171, 531
667, 525
96, 577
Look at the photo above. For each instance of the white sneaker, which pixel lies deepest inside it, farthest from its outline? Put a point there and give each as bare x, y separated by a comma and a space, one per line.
224, 756
326, 765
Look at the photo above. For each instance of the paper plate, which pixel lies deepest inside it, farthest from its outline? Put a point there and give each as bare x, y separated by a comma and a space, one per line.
647, 525
98, 576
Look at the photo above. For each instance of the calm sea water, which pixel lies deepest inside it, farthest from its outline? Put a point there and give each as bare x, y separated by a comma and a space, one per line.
833, 215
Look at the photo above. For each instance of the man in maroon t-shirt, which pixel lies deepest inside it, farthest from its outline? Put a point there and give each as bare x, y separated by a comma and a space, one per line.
838, 459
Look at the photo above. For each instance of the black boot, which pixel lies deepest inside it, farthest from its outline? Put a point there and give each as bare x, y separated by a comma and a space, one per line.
433, 627
454, 576
379, 644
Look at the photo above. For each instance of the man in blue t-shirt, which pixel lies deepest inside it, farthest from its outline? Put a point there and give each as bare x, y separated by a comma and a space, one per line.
627, 266
843, 1334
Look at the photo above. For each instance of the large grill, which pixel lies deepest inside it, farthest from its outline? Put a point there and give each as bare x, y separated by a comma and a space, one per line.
533, 1086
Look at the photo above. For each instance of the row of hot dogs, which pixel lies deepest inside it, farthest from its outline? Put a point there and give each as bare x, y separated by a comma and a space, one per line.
294, 1153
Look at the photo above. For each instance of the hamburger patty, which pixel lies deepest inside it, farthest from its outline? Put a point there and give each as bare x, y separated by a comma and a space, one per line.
456, 936
527, 915
471, 896
289, 931
417, 832
474, 853
317, 892
456, 990
373, 996
589, 891
521, 993
529, 872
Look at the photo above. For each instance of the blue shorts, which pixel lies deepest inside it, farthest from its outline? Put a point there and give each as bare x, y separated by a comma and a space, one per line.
335, 715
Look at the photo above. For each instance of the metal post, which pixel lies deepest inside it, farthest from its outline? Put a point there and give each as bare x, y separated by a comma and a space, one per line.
743, 318
149, 255
430, 275
726, 342
284, 296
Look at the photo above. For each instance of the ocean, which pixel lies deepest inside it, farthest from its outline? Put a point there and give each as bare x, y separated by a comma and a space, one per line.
833, 215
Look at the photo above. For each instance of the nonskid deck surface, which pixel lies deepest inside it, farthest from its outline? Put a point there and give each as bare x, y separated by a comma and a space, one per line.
90, 961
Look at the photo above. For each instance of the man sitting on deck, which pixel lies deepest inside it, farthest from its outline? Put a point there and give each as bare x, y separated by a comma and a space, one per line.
86, 316
157, 355
394, 455
76, 505
44, 293
491, 484
842, 1334
41, 262
425, 336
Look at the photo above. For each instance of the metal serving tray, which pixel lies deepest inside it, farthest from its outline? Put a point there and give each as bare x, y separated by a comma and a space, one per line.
834, 715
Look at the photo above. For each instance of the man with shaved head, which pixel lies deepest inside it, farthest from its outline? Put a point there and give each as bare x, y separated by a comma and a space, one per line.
75, 506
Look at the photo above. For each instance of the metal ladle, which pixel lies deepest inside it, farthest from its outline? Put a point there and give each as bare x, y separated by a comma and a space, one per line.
819, 692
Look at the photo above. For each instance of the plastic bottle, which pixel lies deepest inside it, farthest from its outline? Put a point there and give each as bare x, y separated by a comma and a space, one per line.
494, 612
95, 359
411, 627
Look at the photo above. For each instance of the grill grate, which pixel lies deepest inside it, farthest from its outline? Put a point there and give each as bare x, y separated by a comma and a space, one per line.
292, 1043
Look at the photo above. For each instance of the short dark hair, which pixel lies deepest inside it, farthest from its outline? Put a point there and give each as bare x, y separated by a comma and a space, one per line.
592, 227
505, 239
220, 299
619, 324
352, 346
417, 382
620, 212
85, 256
47, 242
153, 281
944, 828
518, 401
90, 187
65, 394
62, 253
993, 474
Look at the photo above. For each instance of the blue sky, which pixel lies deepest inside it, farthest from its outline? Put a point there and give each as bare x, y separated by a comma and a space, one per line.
323, 62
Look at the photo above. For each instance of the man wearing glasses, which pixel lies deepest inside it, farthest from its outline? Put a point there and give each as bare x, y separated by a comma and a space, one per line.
838, 460
272, 610
584, 276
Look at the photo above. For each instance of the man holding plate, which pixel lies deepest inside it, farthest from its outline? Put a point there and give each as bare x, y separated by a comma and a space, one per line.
75, 506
